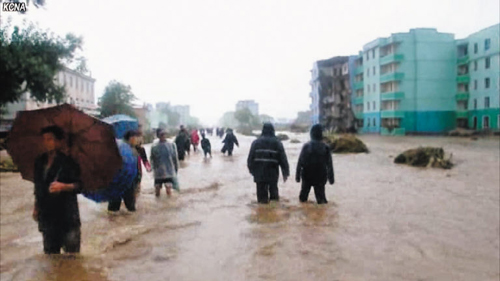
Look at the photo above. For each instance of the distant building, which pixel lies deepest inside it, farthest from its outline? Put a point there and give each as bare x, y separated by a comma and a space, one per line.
250, 104
183, 111
79, 92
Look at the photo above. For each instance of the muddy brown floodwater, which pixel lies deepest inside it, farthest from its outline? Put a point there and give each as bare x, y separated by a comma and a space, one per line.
384, 222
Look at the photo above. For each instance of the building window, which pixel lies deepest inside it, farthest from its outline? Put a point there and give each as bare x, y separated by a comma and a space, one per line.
368, 88
374, 87
373, 53
475, 103
374, 71
486, 122
367, 56
487, 43
486, 83
487, 62
475, 48
367, 72
76, 83
475, 84
475, 65
374, 122
368, 107
374, 107
368, 122
71, 81
487, 102
474, 122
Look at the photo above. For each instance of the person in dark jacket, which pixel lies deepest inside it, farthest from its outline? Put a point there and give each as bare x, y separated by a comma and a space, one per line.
57, 183
266, 155
229, 142
315, 166
205, 145
180, 143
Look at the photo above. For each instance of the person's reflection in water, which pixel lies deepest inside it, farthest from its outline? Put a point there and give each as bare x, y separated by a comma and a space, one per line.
66, 268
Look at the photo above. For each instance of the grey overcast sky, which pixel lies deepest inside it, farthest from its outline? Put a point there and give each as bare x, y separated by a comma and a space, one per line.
210, 54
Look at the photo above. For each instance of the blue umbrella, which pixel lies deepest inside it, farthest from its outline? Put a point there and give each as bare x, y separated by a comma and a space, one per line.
122, 123
123, 179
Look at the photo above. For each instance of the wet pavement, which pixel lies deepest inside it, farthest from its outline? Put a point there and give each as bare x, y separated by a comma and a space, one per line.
384, 222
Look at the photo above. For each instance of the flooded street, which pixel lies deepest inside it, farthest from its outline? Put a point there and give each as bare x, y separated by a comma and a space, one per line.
383, 222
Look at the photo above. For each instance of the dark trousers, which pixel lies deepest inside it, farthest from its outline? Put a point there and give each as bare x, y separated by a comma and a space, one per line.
55, 238
319, 191
128, 198
207, 151
267, 191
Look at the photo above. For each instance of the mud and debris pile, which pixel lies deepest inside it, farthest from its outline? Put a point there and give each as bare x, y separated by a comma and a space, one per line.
425, 157
282, 137
294, 141
459, 132
345, 144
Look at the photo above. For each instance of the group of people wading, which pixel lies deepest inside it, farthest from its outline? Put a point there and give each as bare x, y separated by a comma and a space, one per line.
57, 176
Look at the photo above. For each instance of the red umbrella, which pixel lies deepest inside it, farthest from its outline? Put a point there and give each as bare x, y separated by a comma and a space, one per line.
89, 141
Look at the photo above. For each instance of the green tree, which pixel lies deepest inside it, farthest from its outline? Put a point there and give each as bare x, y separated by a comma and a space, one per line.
30, 58
266, 118
117, 99
246, 119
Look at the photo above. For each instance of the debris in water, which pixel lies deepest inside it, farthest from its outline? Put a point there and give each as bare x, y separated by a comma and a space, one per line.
294, 141
424, 157
282, 137
345, 144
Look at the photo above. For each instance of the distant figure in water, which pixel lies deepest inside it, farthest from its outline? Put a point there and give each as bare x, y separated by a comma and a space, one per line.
180, 141
266, 156
315, 166
205, 145
195, 140
229, 142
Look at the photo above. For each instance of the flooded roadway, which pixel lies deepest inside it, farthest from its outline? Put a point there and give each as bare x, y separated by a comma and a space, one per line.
383, 222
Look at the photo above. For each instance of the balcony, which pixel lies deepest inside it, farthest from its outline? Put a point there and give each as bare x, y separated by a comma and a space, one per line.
358, 85
462, 96
391, 58
392, 113
392, 132
392, 96
358, 70
463, 60
393, 76
463, 78
357, 100
462, 113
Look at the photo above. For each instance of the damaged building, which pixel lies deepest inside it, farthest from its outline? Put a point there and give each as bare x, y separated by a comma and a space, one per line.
331, 85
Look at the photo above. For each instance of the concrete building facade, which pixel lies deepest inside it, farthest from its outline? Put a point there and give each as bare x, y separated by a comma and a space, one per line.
250, 104
183, 111
478, 80
79, 92
409, 83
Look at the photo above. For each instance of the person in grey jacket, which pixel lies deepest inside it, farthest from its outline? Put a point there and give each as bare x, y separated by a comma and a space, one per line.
165, 164
266, 156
